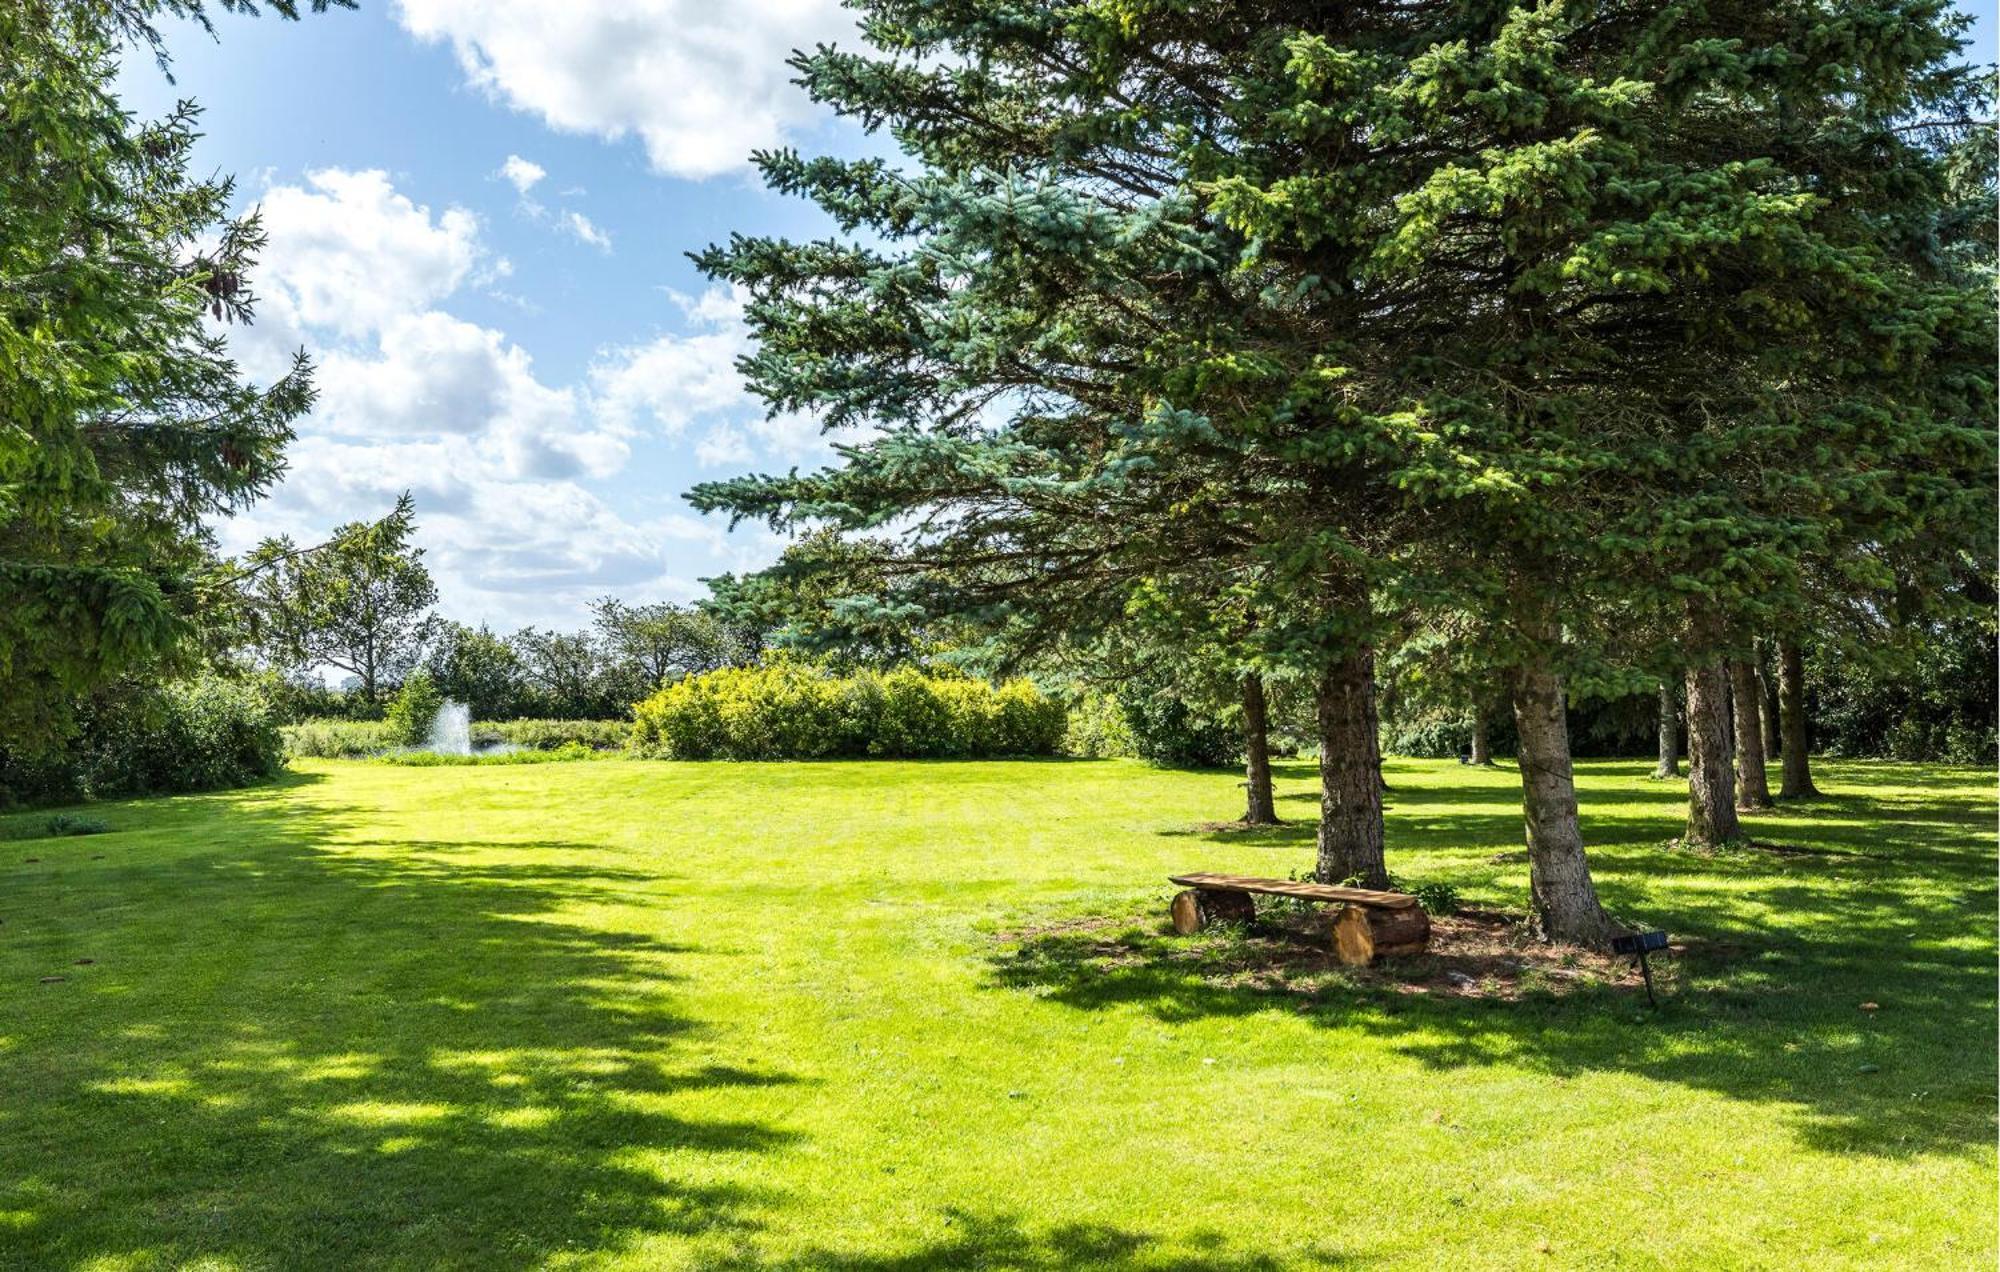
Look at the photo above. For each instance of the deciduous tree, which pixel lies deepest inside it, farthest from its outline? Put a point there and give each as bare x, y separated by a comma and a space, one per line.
361, 603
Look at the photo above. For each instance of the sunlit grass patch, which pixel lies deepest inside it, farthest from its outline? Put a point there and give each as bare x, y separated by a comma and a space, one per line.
896, 1016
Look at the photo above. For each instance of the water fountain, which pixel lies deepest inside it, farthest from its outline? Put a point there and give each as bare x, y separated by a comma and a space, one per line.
451, 730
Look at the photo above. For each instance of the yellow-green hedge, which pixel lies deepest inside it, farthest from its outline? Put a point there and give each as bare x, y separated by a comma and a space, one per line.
787, 710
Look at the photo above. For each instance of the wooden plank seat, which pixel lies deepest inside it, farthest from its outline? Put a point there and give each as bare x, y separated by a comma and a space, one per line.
1369, 924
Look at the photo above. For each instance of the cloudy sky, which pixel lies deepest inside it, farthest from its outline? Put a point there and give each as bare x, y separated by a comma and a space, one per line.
478, 212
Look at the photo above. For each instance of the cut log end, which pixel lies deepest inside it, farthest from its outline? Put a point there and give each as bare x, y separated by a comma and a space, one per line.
1195, 908
1361, 934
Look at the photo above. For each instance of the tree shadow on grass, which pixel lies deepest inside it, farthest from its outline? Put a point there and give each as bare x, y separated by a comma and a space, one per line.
1892, 905
283, 1048
1006, 1241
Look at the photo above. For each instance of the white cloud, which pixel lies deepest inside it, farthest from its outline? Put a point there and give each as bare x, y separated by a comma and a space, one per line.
348, 254
701, 83
522, 174
724, 445
579, 226
675, 382
502, 462
508, 552
434, 374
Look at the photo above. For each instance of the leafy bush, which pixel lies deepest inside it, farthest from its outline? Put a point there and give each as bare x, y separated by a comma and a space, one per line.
142, 739
1168, 731
792, 710
547, 735
337, 739
197, 735
1098, 730
1925, 692
71, 824
1438, 734
1436, 897
565, 753
416, 705
296, 699
363, 739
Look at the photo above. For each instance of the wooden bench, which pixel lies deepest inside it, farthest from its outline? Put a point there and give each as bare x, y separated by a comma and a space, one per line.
1368, 925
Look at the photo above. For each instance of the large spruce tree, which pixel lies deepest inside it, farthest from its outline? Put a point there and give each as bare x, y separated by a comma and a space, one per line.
1541, 313
1084, 389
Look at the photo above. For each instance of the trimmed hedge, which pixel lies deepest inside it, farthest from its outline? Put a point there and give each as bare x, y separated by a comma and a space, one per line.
787, 710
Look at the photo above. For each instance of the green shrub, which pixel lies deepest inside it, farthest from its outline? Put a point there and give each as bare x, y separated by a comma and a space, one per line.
1436, 897
337, 739
792, 710
416, 705
298, 698
563, 754
913, 715
200, 735
1431, 735
71, 824
547, 735
363, 739
1167, 730
144, 739
1097, 729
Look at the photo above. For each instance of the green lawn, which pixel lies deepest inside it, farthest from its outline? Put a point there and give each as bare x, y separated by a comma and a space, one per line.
651, 1015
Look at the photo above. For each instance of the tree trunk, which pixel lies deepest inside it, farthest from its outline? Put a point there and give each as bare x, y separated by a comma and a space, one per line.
1261, 809
1711, 770
1482, 749
1752, 792
1767, 685
1792, 710
1195, 908
1670, 736
1363, 933
1350, 778
1565, 899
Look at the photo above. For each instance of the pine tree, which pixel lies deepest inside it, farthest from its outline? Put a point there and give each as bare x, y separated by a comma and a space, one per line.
1539, 313
123, 420
1670, 735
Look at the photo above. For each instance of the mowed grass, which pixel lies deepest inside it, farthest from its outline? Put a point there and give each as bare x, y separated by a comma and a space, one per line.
648, 1015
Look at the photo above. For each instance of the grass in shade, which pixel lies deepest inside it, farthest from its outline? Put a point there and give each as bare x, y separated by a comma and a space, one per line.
854, 1016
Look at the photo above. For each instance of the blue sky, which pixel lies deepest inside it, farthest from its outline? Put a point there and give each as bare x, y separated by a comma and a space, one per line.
479, 212
479, 216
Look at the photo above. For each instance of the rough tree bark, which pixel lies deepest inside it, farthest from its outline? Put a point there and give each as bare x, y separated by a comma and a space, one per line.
1752, 791
1670, 736
1565, 899
1711, 768
1350, 779
1260, 808
1767, 685
1792, 710
1482, 749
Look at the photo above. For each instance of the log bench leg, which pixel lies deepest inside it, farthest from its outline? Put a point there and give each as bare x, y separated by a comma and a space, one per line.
1361, 934
1196, 908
